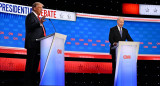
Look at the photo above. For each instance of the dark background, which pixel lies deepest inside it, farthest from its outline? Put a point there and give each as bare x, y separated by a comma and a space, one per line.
148, 72
102, 7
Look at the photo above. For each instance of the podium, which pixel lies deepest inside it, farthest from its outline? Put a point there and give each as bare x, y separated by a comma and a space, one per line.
126, 64
52, 72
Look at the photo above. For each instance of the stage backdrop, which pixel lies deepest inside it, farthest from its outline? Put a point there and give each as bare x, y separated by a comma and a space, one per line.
84, 34
87, 46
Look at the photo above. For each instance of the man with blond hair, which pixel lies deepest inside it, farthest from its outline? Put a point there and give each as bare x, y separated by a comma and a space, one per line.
34, 30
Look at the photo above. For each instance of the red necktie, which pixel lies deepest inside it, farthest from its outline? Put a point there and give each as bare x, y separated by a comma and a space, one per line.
42, 27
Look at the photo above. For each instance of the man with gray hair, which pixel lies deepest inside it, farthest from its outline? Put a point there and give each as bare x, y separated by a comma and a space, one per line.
116, 34
34, 30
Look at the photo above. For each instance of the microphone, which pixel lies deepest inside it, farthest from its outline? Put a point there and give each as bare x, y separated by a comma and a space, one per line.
52, 25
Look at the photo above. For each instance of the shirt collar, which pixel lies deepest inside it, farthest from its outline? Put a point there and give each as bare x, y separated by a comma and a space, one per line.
119, 28
35, 13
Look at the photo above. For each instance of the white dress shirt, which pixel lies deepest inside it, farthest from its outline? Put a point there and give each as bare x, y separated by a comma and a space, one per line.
119, 28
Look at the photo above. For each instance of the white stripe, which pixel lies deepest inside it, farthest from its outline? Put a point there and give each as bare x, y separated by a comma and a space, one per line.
95, 16
13, 48
149, 9
95, 53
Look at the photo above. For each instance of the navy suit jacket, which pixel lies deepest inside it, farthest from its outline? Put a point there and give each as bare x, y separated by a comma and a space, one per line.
114, 36
33, 31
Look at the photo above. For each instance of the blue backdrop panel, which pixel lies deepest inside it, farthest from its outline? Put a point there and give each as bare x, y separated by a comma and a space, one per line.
83, 28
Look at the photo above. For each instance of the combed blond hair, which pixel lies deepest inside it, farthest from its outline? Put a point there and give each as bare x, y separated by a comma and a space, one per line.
35, 4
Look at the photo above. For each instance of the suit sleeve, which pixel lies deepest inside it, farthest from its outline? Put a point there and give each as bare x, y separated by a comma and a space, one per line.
31, 23
129, 37
111, 37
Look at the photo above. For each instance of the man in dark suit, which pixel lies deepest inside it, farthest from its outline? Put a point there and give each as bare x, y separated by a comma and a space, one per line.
117, 33
34, 30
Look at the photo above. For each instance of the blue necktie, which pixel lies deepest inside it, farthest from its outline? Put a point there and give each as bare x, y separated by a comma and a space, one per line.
121, 32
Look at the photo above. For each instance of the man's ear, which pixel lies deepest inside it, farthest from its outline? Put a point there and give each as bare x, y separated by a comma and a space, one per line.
33, 8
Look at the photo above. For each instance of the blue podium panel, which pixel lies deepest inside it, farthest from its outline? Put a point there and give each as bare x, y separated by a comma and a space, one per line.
52, 62
45, 47
126, 67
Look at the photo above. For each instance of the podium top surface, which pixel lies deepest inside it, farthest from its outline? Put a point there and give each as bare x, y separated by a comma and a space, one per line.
125, 43
55, 35
128, 43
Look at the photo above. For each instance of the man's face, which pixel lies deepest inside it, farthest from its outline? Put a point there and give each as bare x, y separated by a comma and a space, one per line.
120, 22
38, 9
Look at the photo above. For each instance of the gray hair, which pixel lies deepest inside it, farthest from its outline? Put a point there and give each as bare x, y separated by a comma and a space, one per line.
119, 18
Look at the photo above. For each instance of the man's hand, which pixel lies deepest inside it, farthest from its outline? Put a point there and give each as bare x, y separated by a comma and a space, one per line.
43, 19
115, 43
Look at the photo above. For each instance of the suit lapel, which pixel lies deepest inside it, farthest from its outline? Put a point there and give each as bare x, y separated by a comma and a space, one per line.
122, 32
117, 31
35, 17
